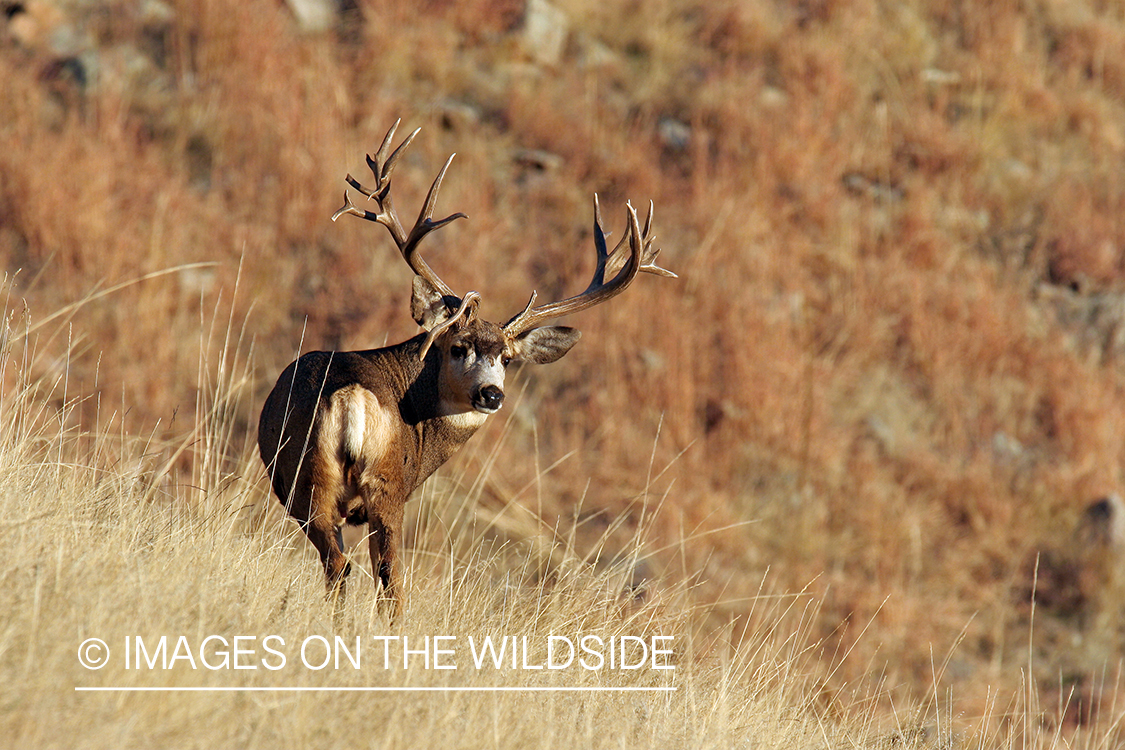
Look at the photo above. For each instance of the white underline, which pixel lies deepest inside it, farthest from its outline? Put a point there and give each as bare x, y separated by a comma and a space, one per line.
345, 689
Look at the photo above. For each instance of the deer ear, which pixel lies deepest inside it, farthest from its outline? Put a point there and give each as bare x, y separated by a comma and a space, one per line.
427, 305
542, 346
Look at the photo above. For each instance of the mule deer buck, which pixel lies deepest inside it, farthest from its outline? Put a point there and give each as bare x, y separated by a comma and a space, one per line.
347, 436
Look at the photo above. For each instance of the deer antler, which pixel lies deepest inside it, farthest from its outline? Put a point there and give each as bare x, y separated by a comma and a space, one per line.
381, 167
641, 257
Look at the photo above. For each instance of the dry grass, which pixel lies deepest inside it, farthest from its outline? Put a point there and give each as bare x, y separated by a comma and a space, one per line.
890, 376
102, 543
114, 549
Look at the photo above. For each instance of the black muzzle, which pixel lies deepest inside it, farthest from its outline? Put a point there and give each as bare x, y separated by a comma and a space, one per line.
488, 399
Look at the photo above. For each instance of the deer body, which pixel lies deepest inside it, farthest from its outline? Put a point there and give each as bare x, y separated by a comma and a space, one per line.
346, 437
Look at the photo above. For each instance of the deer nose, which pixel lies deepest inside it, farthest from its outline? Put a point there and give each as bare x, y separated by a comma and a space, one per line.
488, 399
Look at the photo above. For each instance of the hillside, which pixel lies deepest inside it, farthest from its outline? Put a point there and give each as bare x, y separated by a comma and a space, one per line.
887, 386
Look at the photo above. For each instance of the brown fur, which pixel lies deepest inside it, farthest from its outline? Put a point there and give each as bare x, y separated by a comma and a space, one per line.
306, 436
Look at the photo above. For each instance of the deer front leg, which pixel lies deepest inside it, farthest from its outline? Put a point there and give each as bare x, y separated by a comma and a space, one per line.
384, 539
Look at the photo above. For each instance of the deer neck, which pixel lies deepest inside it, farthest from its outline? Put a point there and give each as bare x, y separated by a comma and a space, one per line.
421, 402
439, 434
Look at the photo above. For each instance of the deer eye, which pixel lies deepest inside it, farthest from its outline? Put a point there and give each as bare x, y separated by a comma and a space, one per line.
458, 351
506, 360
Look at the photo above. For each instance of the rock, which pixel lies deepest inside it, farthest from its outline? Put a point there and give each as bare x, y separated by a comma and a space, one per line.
456, 114
156, 13
537, 159
1103, 524
31, 24
315, 16
545, 32
1099, 544
771, 97
592, 53
674, 135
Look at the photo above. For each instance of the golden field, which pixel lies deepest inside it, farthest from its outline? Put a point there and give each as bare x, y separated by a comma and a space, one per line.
850, 459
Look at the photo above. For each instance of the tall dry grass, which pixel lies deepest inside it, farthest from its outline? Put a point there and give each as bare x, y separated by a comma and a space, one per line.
102, 542
891, 373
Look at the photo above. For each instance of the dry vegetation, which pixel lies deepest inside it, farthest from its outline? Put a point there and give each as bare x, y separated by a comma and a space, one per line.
890, 378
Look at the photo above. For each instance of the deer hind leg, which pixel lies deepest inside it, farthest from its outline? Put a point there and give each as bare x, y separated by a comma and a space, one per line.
306, 504
325, 536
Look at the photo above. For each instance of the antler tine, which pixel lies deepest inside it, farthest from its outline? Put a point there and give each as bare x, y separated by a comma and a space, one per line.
348, 208
425, 223
381, 154
384, 174
599, 246
615, 259
648, 254
424, 226
648, 257
641, 257
382, 167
